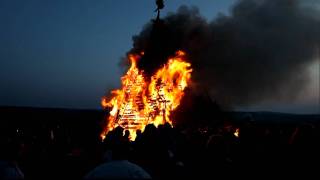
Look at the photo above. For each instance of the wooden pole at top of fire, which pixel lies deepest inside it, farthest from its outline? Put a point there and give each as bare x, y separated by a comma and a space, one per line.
160, 5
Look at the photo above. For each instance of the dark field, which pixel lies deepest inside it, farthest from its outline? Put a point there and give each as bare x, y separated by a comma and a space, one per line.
60, 143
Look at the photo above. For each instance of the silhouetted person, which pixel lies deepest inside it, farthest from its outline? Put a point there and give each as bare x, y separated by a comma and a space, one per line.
117, 165
127, 134
9, 150
139, 135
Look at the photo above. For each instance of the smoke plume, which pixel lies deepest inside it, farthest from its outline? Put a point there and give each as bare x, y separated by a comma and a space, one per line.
259, 52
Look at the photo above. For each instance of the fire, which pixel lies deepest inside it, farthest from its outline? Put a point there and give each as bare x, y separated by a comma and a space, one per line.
237, 133
139, 102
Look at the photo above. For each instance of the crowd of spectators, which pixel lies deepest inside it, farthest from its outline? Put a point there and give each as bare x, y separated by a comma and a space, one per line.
165, 152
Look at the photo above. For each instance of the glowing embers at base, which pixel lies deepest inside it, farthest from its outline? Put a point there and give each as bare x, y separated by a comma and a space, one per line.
139, 102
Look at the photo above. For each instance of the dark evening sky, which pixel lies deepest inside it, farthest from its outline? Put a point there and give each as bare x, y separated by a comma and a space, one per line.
61, 53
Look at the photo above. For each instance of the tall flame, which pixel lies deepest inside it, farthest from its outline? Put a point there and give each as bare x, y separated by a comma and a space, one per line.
139, 102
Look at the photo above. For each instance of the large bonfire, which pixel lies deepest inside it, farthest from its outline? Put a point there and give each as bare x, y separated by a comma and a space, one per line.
140, 102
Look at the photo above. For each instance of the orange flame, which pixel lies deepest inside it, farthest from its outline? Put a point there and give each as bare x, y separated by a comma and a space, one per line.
139, 103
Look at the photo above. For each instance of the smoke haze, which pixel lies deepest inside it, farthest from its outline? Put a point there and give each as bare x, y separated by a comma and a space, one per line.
260, 52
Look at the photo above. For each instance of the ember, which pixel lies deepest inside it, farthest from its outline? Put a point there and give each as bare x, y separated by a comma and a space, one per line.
140, 102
